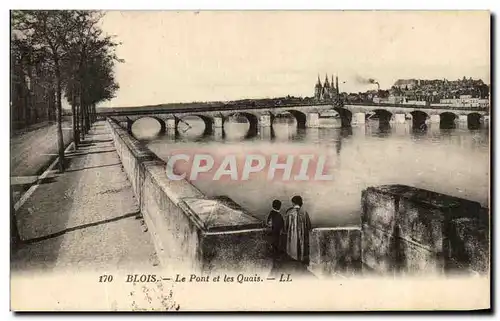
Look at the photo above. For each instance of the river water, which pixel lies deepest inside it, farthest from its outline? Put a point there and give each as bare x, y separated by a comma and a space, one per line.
450, 161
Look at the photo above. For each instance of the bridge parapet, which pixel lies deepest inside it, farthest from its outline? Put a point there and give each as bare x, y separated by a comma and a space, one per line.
214, 116
313, 107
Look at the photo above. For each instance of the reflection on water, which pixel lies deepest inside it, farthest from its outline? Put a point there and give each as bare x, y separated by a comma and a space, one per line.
146, 128
452, 161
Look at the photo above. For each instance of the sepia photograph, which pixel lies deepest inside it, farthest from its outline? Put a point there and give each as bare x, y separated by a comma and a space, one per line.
250, 160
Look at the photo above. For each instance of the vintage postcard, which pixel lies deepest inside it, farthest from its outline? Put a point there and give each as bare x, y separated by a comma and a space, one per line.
250, 160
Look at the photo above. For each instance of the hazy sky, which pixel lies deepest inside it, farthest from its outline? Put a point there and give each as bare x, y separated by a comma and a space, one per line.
207, 56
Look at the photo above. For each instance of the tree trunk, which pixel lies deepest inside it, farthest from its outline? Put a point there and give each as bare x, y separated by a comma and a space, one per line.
82, 111
87, 119
94, 112
82, 125
77, 119
91, 114
26, 108
15, 238
60, 140
91, 109
31, 96
74, 117
47, 103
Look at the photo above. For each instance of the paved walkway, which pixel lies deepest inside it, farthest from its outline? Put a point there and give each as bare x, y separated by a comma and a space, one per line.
85, 217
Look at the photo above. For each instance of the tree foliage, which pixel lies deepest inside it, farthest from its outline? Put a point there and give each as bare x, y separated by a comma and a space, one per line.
70, 46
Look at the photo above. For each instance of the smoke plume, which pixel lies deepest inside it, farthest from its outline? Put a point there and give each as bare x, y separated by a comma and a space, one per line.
367, 81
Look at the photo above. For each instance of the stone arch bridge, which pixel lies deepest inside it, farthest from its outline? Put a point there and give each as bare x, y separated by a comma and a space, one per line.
306, 115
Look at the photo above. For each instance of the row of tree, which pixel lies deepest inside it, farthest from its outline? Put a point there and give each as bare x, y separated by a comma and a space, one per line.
32, 93
69, 51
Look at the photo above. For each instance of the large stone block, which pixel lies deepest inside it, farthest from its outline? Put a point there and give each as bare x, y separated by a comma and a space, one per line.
232, 239
411, 230
419, 260
467, 242
335, 251
385, 253
421, 224
244, 251
378, 209
377, 249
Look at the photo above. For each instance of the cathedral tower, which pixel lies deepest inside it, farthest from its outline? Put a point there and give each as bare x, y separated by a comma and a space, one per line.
318, 90
328, 91
333, 92
326, 88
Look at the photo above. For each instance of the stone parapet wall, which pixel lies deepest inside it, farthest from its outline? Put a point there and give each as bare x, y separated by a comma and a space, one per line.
185, 240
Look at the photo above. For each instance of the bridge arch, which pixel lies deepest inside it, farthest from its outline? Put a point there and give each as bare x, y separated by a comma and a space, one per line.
132, 122
207, 120
162, 123
300, 117
384, 116
473, 120
418, 119
345, 116
447, 120
253, 122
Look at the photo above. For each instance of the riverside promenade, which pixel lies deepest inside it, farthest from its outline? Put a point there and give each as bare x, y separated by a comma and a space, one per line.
83, 218
82, 223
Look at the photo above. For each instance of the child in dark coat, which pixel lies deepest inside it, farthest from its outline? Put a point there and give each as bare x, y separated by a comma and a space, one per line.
276, 223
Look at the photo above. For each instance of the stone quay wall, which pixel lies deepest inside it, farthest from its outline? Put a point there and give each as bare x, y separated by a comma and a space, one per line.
406, 230
182, 239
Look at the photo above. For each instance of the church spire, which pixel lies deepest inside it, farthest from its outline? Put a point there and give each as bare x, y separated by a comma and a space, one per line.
318, 90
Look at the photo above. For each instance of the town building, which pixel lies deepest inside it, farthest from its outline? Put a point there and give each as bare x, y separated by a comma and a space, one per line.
466, 101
